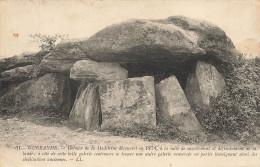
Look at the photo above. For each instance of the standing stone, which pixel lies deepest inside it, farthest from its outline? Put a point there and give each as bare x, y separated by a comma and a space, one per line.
173, 106
75, 114
101, 71
86, 109
170, 97
127, 103
49, 93
203, 83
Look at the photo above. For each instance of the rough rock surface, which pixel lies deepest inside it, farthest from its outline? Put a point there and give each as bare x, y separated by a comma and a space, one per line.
127, 103
136, 37
86, 111
48, 93
20, 60
170, 97
62, 58
100, 71
204, 82
173, 106
149, 45
159, 44
19, 74
5, 87
187, 122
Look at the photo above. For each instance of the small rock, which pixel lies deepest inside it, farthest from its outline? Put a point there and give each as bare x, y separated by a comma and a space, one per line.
15, 119
79, 130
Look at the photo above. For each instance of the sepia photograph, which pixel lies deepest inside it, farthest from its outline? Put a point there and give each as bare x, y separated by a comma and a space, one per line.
121, 83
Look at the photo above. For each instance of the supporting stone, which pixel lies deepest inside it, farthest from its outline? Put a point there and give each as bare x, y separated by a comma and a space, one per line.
203, 83
86, 109
127, 103
49, 93
101, 71
173, 106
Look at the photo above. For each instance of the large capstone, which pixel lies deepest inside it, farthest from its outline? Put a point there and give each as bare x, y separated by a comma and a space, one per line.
173, 106
49, 93
146, 46
127, 103
19, 74
100, 71
86, 109
204, 82
62, 58
20, 60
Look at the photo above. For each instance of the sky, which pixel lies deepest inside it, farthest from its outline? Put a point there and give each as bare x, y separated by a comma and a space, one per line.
83, 18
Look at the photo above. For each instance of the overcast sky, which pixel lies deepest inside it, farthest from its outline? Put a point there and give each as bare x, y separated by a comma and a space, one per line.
79, 18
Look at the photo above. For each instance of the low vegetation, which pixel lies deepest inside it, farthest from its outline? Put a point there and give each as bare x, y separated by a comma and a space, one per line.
236, 112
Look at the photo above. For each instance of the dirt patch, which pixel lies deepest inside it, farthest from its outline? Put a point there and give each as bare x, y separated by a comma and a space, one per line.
15, 131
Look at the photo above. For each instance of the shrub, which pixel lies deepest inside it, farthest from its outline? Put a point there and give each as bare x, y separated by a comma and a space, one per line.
47, 42
236, 112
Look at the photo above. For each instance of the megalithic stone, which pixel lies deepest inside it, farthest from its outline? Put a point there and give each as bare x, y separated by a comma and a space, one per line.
86, 109
204, 82
20, 60
100, 71
127, 103
46, 93
173, 106
20, 74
